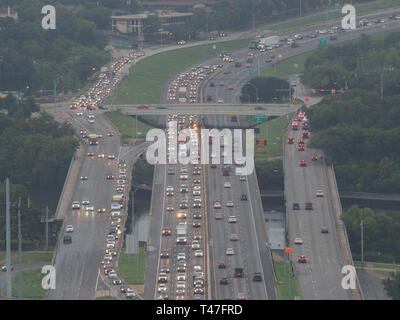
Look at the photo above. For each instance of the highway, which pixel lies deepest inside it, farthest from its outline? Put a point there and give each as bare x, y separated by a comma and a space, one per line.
76, 262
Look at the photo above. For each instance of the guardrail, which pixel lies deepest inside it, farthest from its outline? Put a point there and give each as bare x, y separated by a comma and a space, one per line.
345, 245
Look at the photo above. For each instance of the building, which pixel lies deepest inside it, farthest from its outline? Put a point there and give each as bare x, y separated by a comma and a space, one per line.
178, 5
8, 12
135, 23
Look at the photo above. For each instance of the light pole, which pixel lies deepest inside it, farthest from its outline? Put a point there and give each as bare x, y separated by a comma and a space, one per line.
362, 244
249, 83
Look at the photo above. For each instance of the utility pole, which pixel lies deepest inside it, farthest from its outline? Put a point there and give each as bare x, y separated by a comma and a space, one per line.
19, 250
55, 95
362, 244
8, 240
47, 228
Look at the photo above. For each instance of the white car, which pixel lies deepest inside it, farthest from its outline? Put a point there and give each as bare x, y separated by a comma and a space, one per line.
227, 184
195, 245
180, 277
112, 274
319, 193
298, 241
197, 268
230, 252
198, 253
85, 202
220, 100
230, 204
130, 293
76, 205
232, 219
242, 178
181, 256
217, 204
69, 228
90, 208
79, 113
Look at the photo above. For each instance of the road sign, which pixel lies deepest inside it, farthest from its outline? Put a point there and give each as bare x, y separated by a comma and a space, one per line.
251, 72
322, 41
259, 118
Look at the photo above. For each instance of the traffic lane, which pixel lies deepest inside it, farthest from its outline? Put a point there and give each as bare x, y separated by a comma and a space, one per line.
264, 251
319, 252
81, 286
154, 233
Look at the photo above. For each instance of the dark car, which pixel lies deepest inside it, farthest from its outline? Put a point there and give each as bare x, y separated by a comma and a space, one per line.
259, 108
324, 229
238, 273
257, 276
302, 259
196, 224
243, 197
164, 268
221, 265
67, 239
164, 254
223, 280
296, 206
308, 206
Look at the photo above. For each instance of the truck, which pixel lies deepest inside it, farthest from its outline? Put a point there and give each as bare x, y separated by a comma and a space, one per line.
269, 41
181, 233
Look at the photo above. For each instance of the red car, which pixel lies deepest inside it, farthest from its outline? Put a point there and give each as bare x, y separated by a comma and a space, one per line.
301, 141
302, 259
303, 163
143, 106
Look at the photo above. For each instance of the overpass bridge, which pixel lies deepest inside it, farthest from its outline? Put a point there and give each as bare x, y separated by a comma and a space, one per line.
343, 195
215, 109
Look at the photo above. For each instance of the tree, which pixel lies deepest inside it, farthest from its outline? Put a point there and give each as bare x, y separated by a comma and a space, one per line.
392, 287
265, 89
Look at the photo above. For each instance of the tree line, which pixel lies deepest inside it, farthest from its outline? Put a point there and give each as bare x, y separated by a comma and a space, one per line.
35, 154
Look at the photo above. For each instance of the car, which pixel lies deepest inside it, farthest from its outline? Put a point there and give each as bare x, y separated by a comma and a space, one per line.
217, 204
84, 178
166, 231
4, 268
305, 135
230, 204
196, 224
324, 229
89, 208
234, 237
319, 193
180, 277
123, 288
110, 134
223, 280
164, 254
164, 268
219, 217
85, 202
76, 205
143, 106
67, 239
69, 228
300, 147
101, 210
101, 156
238, 272
116, 281
232, 219
170, 208
90, 154
242, 178
302, 259
197, 215
230, 252
195, 244
243, 197
227, 184
111, 156
162, 288
162, 277
314, 158
130, 293
290, 140
298, 241
300, 141
109, 176
308, 206
303, 163
198, 253
257, 276
259, 108
220, 100
241, 296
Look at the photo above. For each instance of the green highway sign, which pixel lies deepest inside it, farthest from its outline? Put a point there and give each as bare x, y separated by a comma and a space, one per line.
322, 41
259, 118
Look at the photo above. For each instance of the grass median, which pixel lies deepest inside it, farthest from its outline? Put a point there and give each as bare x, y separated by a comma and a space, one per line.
132, 266
287, 287
27, 257
274, 132
144, 84
31, 284
127, 125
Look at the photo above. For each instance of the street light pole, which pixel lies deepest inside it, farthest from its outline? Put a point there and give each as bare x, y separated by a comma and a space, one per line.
362, 244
